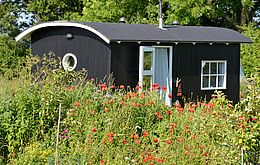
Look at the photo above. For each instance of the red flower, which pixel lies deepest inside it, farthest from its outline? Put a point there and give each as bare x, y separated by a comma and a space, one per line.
158, 160
169, 112
171, 130
187, 148
124, 141
193, 136
188, 131
191, 110
168, 141
173, 125
150, 157
230, 106
110, 136
164, 88
138, 104
240, 118
200, 147
254, 119
155, 140
77, 104
146, 159
102, 162
122, 87
94, 129
205, 154
186, 152
151, 163
151, 102
169, 95
112, 87
159, 115
145, 134
190, 118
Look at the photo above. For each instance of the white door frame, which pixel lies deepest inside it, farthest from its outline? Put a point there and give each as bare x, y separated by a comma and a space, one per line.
143, 72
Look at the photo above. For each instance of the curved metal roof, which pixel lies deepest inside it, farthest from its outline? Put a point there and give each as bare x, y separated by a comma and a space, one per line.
111, 32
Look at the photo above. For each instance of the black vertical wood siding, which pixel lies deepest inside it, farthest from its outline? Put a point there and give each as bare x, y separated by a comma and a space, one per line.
125, 63
91, 51
187, 66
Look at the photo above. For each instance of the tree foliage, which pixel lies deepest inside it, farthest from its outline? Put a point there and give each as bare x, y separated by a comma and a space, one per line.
224, 13
250, 53
11, 53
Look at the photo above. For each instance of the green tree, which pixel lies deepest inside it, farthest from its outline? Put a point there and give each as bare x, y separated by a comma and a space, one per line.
224, 13
50, 10
135, 11
250, 53
12, 53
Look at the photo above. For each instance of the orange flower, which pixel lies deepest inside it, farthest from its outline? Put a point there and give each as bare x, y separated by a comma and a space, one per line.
188, 131
137, 141
106, 109
186, 152
92, 112
193, 136
136, 136
151, 102
200, 146
77, 104
190, 118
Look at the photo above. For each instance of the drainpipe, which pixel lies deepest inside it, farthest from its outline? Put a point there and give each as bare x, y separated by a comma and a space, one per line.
160, 15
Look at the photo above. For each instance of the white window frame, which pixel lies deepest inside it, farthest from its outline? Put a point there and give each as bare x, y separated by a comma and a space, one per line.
65, 62
217, 74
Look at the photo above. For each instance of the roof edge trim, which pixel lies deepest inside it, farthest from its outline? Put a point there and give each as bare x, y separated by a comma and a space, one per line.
52, 24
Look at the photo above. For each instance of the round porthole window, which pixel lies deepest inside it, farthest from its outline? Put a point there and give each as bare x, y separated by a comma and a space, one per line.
69, 62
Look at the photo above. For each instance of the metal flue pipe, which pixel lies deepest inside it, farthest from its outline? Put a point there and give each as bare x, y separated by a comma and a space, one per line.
160, 15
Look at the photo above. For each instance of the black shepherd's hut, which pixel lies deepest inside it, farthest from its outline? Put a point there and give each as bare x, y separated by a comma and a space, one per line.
205, 59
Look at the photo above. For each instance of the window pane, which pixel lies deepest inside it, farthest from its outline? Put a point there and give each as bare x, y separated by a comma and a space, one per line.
213, 68
206, 68
220, 81
148, 60
221, 68
213, 81
147, 81
205, 82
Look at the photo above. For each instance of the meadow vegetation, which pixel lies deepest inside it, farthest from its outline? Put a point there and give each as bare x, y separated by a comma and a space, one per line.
106, 124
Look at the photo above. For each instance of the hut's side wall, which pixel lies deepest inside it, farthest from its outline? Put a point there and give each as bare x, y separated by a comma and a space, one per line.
125, 63
187, 66
91, 51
